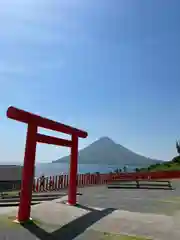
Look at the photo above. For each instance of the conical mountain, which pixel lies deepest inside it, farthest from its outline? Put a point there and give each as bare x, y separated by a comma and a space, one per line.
106, 151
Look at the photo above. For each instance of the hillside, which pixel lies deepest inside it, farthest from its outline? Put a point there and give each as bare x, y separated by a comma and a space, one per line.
106, 151
174, 164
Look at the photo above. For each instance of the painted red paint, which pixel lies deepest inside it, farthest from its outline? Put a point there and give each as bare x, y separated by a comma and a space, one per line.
146, 175
90, 179
35, 121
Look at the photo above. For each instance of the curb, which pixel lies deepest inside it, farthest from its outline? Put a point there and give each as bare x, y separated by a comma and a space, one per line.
36, 199
37, 195
15, 204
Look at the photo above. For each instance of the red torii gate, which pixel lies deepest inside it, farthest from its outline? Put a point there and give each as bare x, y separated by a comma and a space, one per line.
35, 121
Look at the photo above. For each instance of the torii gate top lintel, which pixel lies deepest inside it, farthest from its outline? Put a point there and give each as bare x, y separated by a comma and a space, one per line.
30, 118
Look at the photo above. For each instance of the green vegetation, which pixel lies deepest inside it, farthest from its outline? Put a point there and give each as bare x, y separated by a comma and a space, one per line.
174, 164
109, 236
7, 221
11, 193
7, 194
165, 166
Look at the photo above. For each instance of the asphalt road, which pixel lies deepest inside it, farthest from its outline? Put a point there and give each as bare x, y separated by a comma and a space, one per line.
135, 200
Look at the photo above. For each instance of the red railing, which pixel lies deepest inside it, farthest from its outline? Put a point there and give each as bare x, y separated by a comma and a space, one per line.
147, 175
55, 183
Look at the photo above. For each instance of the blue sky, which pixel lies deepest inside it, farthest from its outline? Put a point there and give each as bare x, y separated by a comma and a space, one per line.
109, 67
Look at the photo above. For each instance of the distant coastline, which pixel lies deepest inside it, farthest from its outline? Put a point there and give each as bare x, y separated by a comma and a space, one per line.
63, 168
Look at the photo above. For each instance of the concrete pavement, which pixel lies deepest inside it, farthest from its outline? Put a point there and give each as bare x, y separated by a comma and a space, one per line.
55, 220
132, 212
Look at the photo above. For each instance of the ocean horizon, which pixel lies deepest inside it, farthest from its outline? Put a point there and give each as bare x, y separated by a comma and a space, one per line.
50, 169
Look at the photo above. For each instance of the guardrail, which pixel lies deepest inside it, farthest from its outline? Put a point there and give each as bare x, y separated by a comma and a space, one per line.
55, 183
61, 182
147, 175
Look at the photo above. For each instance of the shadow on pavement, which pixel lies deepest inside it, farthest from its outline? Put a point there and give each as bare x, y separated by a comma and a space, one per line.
72, 229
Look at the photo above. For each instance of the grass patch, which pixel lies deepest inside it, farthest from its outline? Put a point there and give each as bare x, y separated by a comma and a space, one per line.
7, 221
110, 236
11, 193
32, 222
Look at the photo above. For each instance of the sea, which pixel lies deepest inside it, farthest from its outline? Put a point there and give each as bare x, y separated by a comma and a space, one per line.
52, 169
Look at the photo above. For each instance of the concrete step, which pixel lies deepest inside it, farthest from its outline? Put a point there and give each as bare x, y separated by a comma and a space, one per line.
15, 204
34, 198
48, 194
54, 194
42, 194
141, 187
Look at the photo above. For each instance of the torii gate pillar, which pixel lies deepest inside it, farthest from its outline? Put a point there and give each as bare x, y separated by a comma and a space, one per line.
35, 121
